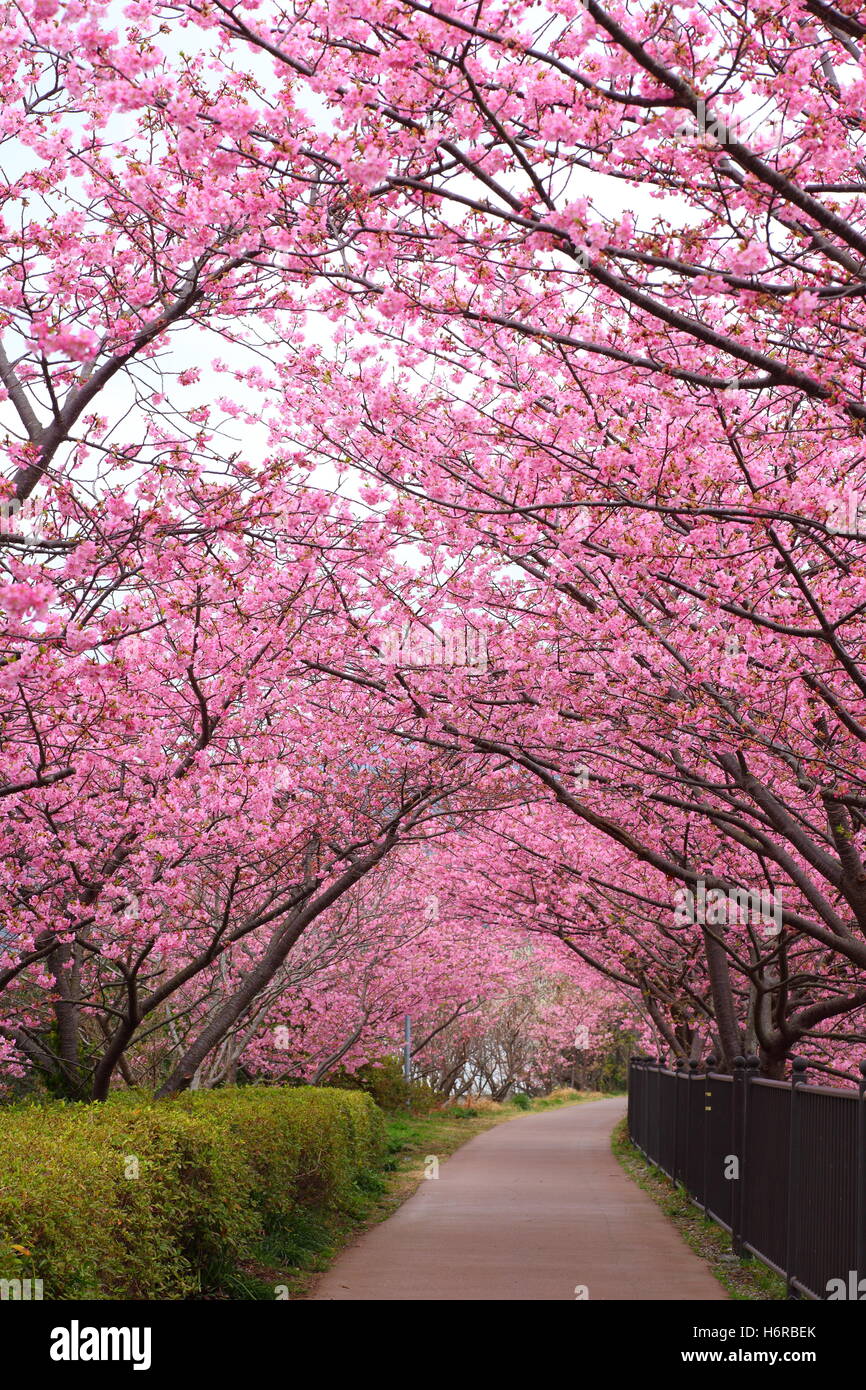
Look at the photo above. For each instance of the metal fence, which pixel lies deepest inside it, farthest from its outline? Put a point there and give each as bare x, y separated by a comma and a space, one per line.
780, 1165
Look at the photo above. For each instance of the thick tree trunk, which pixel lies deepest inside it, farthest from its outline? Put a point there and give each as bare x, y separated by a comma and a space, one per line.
730, 1040
241, 1000
64, 967
232, 1011
772, 1065
111, 1057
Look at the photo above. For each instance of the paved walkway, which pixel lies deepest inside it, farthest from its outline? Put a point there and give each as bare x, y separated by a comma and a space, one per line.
527, 1211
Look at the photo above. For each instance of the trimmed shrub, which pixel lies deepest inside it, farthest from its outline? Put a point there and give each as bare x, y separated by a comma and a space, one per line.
140, 1198
384, 1081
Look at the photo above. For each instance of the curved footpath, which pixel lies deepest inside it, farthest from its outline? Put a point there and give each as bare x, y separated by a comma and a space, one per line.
534, 1209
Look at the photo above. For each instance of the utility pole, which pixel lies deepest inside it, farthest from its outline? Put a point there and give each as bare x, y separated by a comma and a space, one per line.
407, 1050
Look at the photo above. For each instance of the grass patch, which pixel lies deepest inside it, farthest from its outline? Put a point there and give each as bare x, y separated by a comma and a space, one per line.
743, 1277
292, 1254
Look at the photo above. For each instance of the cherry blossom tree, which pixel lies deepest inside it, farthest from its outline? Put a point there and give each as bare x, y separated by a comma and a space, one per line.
543, 328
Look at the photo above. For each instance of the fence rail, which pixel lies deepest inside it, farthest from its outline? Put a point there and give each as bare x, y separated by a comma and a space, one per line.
781, 1166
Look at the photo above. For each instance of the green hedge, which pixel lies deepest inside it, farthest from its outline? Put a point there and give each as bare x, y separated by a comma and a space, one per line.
383, 1080
139, 1198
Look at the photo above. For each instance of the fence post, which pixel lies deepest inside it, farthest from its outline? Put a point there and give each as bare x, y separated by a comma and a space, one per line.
752, 1069
694, 1138
640, 1080
687, 1109
861, 1176
708, 1107
675, 1067
660, 1064
798, 1077
738, 1114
